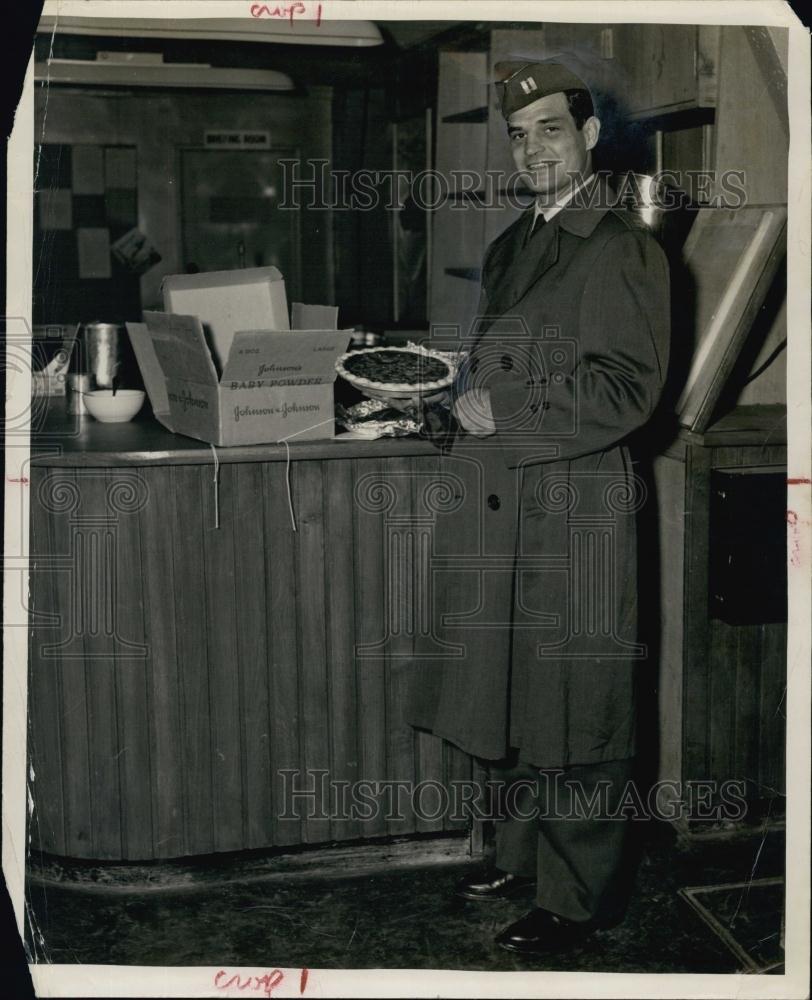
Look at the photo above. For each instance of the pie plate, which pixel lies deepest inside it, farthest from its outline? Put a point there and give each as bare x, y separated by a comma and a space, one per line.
396, 390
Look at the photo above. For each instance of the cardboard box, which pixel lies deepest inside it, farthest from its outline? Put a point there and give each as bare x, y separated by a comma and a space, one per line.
226, 301
275, 385
304, 317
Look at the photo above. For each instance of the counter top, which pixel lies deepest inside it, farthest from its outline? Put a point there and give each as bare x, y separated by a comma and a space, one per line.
62, 439
753, 424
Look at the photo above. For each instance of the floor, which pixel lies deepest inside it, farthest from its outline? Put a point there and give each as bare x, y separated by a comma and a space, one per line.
399, 918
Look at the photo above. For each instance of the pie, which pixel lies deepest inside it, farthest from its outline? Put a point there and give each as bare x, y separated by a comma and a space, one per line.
396, 370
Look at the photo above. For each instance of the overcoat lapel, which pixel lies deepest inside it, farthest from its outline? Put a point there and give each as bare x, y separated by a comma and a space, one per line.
515, 267
515, 264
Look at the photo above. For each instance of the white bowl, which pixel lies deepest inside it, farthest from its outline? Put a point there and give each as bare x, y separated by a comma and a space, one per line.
110, 409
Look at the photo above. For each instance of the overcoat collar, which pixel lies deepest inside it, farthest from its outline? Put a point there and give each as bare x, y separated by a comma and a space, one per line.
588, 207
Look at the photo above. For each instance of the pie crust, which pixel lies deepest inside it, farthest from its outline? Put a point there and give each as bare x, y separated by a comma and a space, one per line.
406, 370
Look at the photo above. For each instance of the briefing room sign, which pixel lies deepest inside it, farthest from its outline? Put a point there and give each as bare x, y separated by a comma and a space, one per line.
238, 139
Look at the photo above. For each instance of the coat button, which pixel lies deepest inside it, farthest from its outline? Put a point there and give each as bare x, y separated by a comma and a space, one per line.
493, 501
506, 362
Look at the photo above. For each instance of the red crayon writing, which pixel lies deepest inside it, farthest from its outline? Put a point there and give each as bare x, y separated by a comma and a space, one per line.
795, 545
266, 983
290, 12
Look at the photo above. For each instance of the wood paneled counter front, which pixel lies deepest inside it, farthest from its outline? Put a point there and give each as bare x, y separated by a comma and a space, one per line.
195, 661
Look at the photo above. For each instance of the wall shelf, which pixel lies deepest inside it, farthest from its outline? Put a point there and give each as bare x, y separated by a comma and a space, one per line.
469, 273
476, 116
678, 116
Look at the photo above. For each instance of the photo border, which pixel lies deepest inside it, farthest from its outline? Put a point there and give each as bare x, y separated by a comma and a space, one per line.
109, 981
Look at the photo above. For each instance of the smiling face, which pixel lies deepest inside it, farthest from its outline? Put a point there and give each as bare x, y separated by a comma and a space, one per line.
548, 148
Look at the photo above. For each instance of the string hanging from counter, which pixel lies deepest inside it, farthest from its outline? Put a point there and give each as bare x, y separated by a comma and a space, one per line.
287, 481
216, 484
216, 481
284, 441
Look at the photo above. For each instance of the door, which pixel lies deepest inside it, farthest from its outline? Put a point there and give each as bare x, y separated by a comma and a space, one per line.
231, 216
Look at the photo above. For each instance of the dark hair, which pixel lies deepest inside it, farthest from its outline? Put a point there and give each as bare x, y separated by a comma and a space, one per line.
580, 104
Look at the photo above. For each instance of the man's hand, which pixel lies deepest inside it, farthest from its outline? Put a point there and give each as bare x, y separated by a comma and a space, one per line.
473, 410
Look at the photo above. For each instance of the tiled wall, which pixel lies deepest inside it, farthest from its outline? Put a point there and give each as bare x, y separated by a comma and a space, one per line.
86, 199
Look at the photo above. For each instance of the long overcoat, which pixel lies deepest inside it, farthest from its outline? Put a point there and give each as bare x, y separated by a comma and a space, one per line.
532, 587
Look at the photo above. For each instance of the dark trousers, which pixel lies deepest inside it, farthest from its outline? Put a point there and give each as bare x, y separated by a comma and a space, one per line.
558, 828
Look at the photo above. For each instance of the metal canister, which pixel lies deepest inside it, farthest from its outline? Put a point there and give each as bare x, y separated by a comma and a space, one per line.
102, 353
77, 386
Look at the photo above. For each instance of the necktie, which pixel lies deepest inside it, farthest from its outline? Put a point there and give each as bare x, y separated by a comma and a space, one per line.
538, 224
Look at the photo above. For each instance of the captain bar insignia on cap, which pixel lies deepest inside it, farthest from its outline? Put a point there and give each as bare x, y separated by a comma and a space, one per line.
520, 82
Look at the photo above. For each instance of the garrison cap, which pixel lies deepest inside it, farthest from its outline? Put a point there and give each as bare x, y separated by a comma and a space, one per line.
521, 83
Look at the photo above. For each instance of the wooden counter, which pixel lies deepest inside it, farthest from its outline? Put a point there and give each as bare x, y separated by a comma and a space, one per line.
722, 679
189, 647
178, 666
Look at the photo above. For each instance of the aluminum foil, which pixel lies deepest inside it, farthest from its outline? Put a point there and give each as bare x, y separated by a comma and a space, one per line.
375, 418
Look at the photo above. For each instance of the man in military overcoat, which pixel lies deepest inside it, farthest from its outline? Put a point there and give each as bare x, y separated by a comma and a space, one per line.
538, 613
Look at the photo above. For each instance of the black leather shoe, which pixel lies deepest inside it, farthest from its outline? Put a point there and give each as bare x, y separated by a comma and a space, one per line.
539, 932
493, 884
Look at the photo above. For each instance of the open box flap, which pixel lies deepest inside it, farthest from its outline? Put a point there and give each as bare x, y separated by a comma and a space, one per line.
151, 372
305, 317
226, 301
180, 347
282, 357
221, 279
